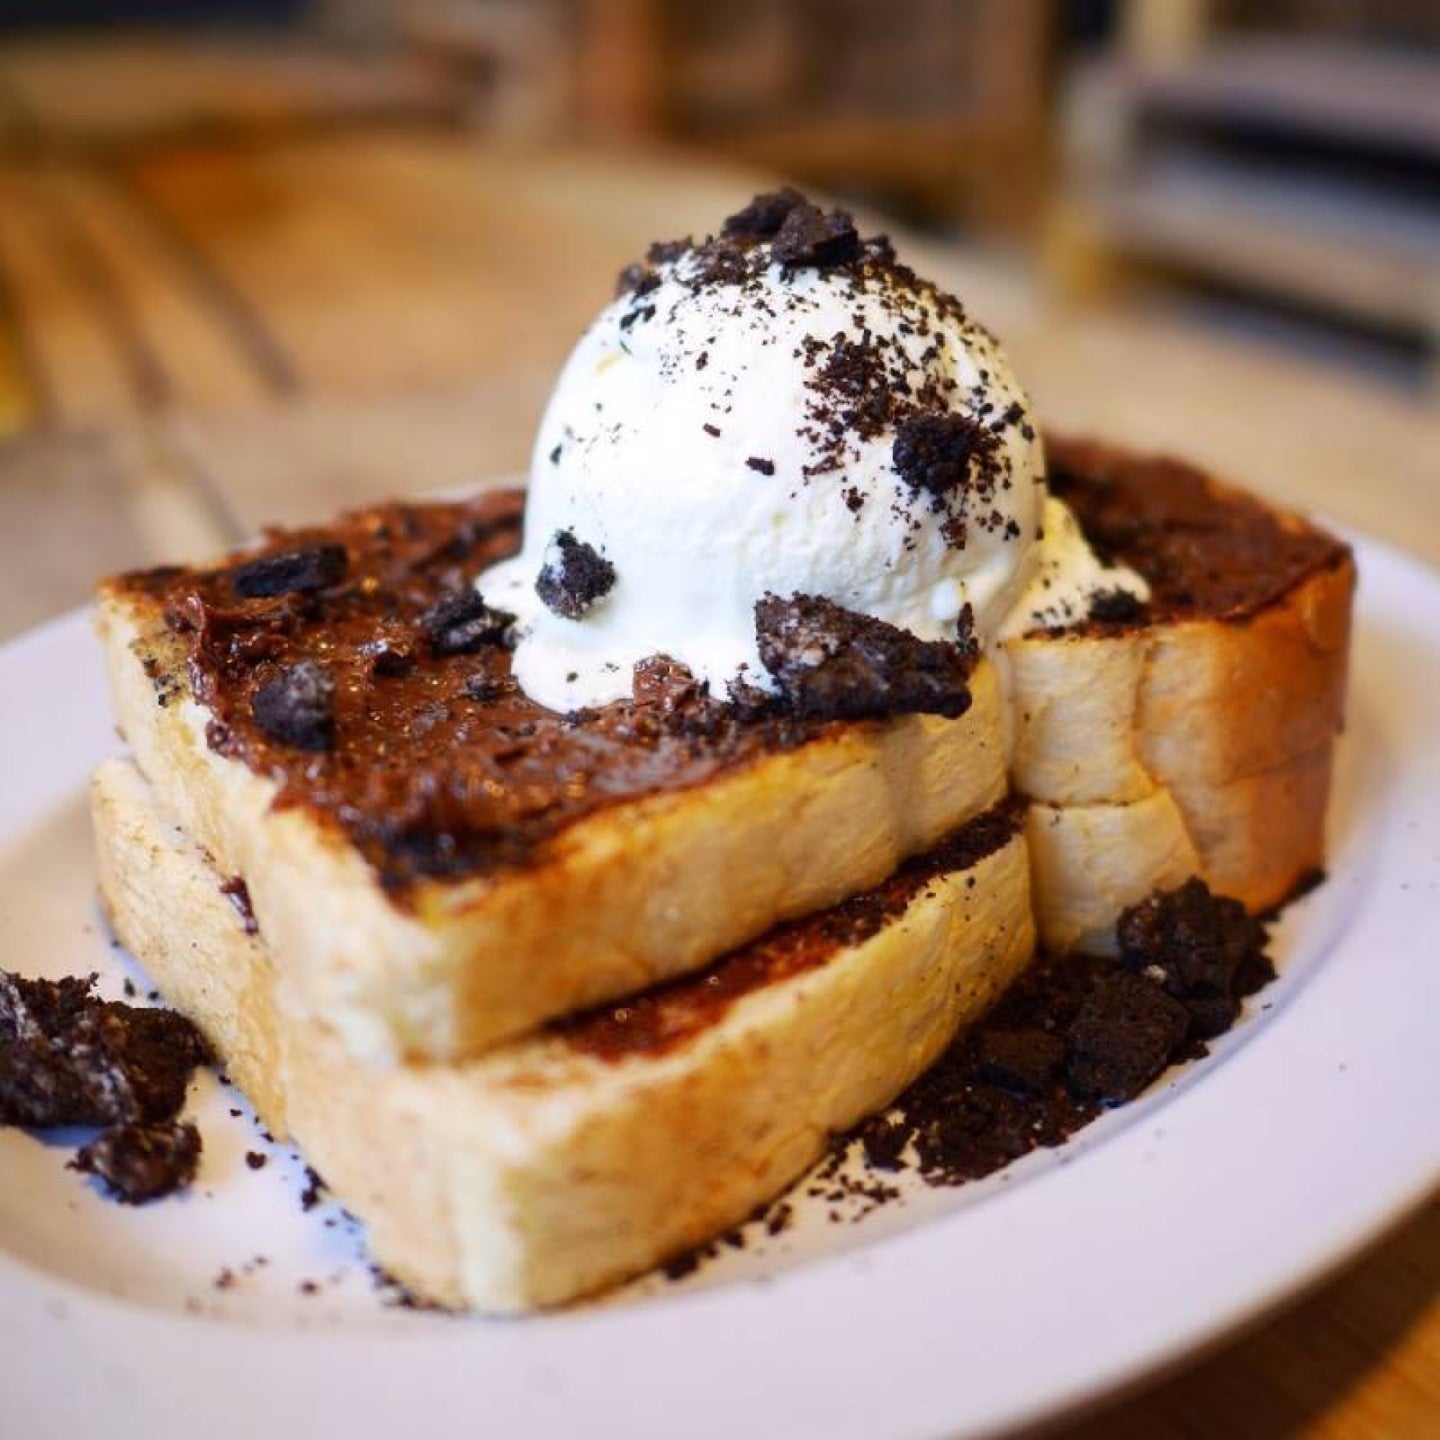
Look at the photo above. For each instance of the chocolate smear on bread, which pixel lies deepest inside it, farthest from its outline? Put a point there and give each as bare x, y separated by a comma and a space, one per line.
438, 764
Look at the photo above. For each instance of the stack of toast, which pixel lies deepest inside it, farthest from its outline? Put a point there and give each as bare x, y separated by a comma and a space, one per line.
549, 998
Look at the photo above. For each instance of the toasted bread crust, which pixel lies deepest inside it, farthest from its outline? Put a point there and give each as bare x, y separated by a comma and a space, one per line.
540, 1171
1232, 718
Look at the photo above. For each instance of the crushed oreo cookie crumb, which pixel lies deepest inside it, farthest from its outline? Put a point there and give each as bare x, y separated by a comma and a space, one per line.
290, 572
311, 1195
488, 688
70, 1058
832, 663
934, 453
761, 466
664, 684
1207, 948
142, 1162
390, 656
1124, 1035
634, 279
574, 577
809, 235
461, 621
764, 215
1115, 607
296, 706
1025, 1061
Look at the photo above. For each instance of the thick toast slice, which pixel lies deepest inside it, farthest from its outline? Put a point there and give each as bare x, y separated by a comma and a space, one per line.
559, 1164
479, 865
1194, 737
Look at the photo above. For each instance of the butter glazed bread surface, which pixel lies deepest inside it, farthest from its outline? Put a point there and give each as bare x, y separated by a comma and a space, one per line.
560, 1164
1194, 736
598, 853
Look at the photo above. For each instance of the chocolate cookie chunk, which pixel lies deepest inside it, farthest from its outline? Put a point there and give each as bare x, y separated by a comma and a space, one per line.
487, 688
311, 567
1206, 946
1025, 1061
138, 1163
934, 453
461, 621
574, 577
391, 652
38, 1088
809, 235
831, 663
1115, 607
296, 706
69, 1058
40, 1009
1124, 1035
1198, 938
764, 215
637, 279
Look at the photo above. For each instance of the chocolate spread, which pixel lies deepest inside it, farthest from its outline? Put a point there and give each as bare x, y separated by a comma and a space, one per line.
1206, 550
405, 729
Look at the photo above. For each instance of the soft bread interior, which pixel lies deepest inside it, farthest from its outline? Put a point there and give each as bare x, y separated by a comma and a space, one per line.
543, 1170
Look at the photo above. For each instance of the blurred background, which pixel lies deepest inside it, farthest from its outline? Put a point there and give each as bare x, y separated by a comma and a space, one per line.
260, 258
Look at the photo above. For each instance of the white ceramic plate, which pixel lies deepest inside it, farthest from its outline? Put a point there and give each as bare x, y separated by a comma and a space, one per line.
1237, 1182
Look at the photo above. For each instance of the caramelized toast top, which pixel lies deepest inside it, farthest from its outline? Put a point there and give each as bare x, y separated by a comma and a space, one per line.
416, 741
1208, 550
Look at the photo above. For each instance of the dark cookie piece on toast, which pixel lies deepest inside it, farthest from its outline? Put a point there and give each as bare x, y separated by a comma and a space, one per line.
833, 663
287, 572
296, 706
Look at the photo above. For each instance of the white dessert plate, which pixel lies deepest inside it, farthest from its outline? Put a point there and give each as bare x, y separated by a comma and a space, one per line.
1235, 1183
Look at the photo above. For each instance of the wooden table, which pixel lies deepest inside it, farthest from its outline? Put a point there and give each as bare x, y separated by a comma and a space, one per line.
198, 337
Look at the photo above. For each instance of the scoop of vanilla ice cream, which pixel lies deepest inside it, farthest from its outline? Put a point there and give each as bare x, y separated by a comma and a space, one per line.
729, 429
